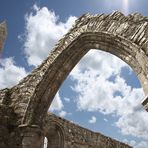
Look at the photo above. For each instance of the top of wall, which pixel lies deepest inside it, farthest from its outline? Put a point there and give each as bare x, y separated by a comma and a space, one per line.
79, 136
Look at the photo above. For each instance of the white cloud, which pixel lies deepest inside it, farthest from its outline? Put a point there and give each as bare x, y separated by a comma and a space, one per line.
43, 30
10, 73
67, 99
134, 124
57, 104
62, 113
101, 63
92, 120
96, 92
93, 84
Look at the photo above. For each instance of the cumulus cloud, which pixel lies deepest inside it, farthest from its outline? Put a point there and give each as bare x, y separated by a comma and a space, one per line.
134, 124
99, 62
101, 88
43, 30
10, 73
93, 120
92, 81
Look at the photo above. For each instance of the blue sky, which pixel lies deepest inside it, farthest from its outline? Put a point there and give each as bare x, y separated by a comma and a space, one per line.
102, 99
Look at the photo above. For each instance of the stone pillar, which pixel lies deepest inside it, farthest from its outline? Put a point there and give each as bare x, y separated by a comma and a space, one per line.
32, 136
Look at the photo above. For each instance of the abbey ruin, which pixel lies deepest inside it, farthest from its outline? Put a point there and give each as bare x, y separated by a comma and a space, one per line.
23, 108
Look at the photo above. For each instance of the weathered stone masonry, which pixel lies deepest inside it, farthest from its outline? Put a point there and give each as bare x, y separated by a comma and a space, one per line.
28, 102
69, 135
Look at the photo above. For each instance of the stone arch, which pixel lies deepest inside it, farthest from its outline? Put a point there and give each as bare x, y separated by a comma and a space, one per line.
124, 37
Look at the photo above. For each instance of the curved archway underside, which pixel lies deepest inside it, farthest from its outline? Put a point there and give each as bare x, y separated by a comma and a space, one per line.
123, 36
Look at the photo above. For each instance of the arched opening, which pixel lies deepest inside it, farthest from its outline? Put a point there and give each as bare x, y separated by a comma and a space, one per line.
89, 87
45, 142
54, 136
70, 56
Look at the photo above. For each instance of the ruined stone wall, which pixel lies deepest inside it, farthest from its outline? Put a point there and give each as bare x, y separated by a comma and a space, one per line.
123, 36
75, 136
24, 106
9, 131
3, 33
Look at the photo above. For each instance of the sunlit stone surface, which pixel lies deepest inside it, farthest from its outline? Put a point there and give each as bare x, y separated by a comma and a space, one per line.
23, 108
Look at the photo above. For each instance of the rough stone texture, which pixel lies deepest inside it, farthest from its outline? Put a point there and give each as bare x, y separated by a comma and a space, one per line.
145, 103
125, 37
3, 34
31, 137
28, 102
65, 134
